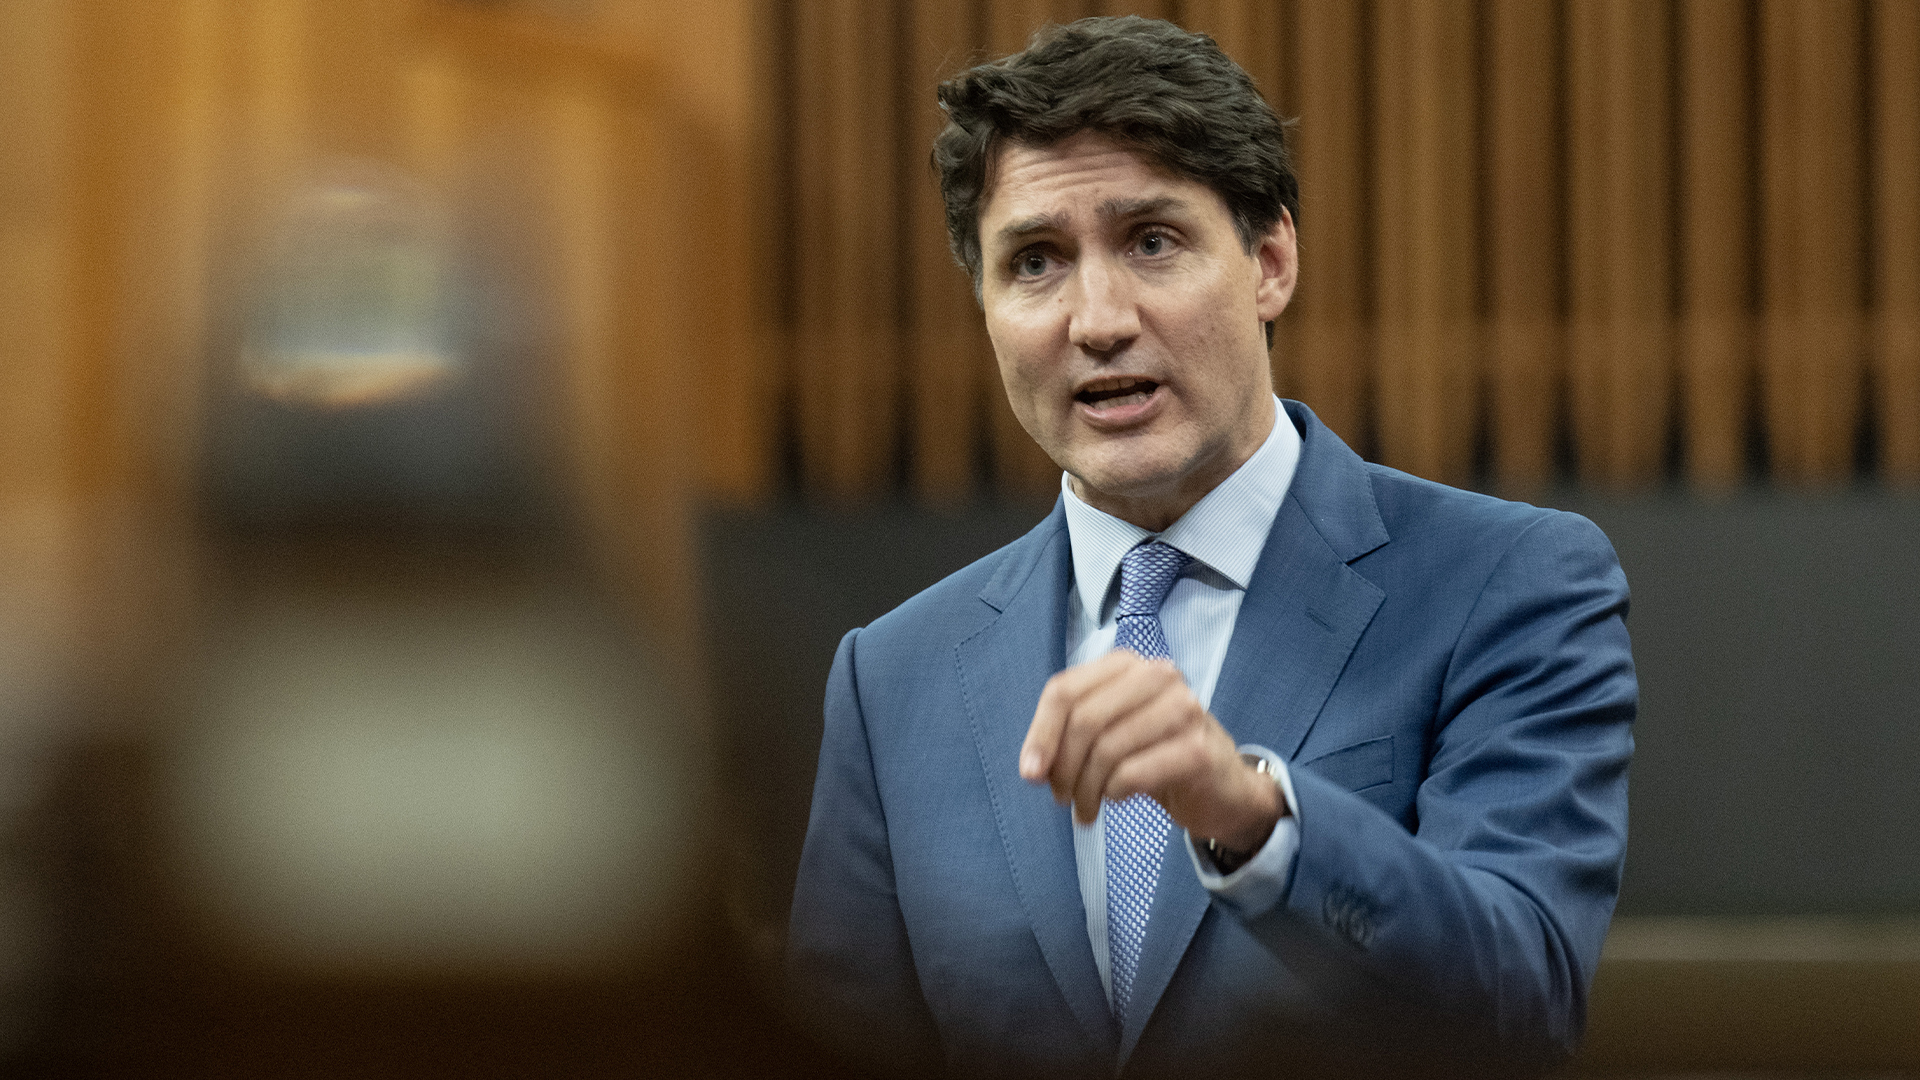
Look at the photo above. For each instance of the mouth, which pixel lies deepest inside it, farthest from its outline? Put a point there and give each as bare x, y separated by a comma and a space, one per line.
1116, 393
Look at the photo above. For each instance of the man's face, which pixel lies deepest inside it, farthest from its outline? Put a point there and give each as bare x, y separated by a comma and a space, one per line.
1127, 318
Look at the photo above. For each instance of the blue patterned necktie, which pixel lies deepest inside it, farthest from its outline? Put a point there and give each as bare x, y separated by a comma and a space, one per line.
1136, 827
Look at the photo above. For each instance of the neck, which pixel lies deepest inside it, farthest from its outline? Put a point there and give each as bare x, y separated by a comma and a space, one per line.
1158, 510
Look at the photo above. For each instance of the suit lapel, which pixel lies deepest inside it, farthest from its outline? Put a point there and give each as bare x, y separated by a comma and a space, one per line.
1003, 668
1304, 612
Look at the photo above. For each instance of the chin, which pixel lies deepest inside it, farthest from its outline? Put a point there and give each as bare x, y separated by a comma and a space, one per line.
1131, 484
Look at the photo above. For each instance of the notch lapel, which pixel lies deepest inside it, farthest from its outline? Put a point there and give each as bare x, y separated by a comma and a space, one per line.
1003, 668
1303, 614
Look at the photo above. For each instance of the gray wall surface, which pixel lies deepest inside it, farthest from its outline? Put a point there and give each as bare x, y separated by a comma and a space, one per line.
1777, 638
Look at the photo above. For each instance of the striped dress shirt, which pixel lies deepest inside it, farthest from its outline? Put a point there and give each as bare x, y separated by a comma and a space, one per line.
1224, 532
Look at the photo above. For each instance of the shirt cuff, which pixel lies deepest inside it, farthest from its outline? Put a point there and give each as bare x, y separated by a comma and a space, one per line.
1259, 883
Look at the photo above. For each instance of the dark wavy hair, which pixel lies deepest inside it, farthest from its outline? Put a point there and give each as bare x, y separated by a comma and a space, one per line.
1147, 83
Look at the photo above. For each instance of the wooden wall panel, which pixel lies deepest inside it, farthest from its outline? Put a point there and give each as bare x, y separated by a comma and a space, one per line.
1523, 202
955, 379
848, 262
1619, 238
1896, 235
1715, 171
1254, 33
1328, 366
1811, 216
1152, 9
38, 530
36, 126
353, 75
1426, 282
145, 145
1010, 23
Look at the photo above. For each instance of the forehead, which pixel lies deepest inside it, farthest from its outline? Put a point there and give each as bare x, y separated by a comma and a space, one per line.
1078, 181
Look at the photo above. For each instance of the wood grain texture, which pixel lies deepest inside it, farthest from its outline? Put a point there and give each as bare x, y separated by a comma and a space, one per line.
1716, 163
1896, 235
1427, 369
1254, 33
1152, 9
1524, 243
1327, 366
1011, 23
951, 360
848, 266
37, 212
1620, 236
1813, 260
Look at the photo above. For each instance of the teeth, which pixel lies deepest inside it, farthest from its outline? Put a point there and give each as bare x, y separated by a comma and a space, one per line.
1133, 398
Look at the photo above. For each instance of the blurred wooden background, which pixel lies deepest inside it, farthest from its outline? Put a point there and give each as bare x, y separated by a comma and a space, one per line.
1624, 243
1623, 239
1620, 241
145, 145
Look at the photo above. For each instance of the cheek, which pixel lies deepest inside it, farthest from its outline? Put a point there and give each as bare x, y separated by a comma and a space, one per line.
1017, 351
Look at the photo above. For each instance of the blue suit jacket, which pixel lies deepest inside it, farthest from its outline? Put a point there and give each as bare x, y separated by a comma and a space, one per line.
1449, 675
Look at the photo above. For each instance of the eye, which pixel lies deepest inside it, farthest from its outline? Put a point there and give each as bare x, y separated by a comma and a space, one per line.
1153, 243
1029, 263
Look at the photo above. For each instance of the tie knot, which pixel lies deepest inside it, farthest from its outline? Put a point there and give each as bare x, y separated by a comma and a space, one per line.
1147, 574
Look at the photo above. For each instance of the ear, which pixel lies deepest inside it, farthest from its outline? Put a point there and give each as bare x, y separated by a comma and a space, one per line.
1278, 256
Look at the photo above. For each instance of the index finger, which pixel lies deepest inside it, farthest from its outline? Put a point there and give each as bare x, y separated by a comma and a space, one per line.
1050, 715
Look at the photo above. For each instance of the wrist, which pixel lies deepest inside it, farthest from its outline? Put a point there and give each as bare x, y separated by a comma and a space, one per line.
1267, 806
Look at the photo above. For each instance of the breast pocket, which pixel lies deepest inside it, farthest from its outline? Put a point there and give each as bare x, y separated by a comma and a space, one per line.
1358, 767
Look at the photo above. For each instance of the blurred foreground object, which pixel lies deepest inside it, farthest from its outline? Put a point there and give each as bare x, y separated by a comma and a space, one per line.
354, 307
418, 739
373, 378
465, 768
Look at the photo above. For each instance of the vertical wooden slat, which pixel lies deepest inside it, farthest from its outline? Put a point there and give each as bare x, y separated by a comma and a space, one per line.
353, 80
1328, 367
1010, 23
1896, 235
1812, 263
1716, 216
433, 120
1426, 366
115, 125
37, 79
1523, 240
275, 120
36, 87
848, 269
1619, 250
580, 178
172, 303
1253, 32
663, 169
737, 415
952, 361
1152, 9
709, 52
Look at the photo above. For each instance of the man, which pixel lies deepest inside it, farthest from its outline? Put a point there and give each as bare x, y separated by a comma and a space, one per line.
1251, 755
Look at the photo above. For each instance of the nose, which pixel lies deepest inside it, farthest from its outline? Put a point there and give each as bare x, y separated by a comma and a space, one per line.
1105, 315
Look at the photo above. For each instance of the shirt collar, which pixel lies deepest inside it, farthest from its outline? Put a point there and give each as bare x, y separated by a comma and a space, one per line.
1225, 531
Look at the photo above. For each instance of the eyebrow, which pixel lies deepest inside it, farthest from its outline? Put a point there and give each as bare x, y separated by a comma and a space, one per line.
1111, 210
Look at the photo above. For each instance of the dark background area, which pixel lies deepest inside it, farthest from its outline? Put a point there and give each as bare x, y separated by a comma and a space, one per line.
1777, 637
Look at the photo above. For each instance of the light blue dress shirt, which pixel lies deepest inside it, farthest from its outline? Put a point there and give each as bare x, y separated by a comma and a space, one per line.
1225, 533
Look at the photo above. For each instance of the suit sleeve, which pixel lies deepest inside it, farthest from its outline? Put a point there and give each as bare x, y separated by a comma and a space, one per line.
1490, 914
849, 969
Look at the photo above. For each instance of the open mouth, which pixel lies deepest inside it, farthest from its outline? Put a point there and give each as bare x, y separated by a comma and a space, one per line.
1117, 393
